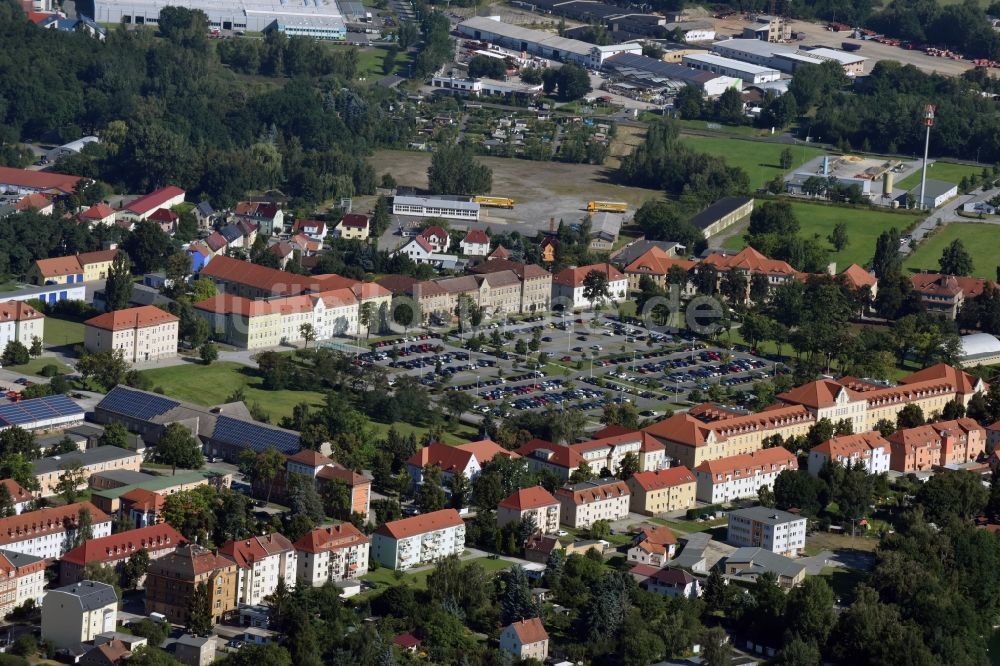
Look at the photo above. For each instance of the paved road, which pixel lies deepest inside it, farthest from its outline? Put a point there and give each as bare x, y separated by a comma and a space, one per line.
948, 213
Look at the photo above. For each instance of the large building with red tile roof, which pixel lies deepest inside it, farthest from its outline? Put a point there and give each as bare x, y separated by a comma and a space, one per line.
23, 181
143, 207
867, 448
143, 334
535, 282
114, 550
331, 554
21, 322
409, 542
568, 286
938, 444
536, 504
465, 459
261, 562
322, 470
525, 639
47, 533
656, 264
171, 581
946, 294
22, 577
585, 503
737, 477
662, 491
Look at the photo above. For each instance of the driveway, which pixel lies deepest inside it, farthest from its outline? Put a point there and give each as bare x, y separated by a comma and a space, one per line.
848, 559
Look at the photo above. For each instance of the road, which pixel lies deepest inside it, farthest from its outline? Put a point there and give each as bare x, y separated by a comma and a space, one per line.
947, 214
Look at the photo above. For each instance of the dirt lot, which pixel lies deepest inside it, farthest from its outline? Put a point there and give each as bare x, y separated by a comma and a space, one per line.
541, 189
818, 35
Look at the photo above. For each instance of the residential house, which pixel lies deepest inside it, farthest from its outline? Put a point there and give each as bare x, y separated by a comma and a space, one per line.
585, 503
200, 254
353, 226
205, 215
167, 219
438, 239
261, 562
608, 452
332, 554
535, 504
114, 550
868, 448
403, 544
675, 583
568, 286
143, 507
314, 229
936, 445
49, 533
655, 264
859, 279
774, 530
499, 253
267, 215
171, 581
142, 334
193, 650
284, 250
418, 250
83, 267
747, 564
737, 477
654, 545
98, 214
662, 491
22, 577
525, 639
111, 653
540, 547
144, 207
77, 613
946, 294
21, 322
466, 459
476, 243
36, 202
20, 497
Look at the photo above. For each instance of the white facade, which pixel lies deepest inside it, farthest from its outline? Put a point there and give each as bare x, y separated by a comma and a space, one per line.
78, 613
475, 249
334, 563
738, 477
45, 539
585, 503
429, 207
729, 67
442, 537
261, 578
777, 531
20, 330
572, 296
851, 449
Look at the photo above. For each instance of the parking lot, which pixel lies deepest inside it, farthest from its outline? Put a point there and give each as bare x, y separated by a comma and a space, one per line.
591, 361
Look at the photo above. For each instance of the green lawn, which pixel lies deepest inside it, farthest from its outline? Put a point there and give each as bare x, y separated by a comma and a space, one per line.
844, 581
980, 240
462, 435
760, 159
212, 384
370, 61
62, 332
946, 171
384, 577
35, 365
863, 229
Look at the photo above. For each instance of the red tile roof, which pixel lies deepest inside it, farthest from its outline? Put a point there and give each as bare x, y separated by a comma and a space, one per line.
858, 277
17, 492
477, 236
847, 445
52, 520
122, 544
164, 215
18, 311
311, 458
687, 430
657, 534
301, 225
427, 522
573, 277
526, 499
594, 491
39, 180
963, 382
354, 221
335, 537
260, 209
663, 478
153, 200
406, 641
523, 271
559, 455
500, 253
99, 211
143, 500
336, 472
58, 266
229, 304
821, 393
938, 284
750, 463
144, 316
655, 261
245, 552
96, 257
485, 450
749, 260
34, 200
434, 232
530, 631
450, 459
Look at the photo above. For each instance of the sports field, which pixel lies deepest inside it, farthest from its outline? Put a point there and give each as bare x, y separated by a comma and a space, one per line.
863, 229
980, 240
760, 159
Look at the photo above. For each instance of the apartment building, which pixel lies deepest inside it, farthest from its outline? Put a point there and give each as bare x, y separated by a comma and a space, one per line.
20, 496
261, 562
21, 322
828, 399
77, 613
142, 334
466, 459
48, 471
525, 639
403, 544
171, 580
50, 533
868, 448
662, 491
72, 269
535, 282
946, 294
333, 554
114, 550
536, 504
936, 445
771, 529
268, 216
737, 477
568, 285
22, 577
585, 503
656, 264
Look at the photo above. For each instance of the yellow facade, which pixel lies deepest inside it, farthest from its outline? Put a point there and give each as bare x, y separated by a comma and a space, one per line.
662, 500
96, 271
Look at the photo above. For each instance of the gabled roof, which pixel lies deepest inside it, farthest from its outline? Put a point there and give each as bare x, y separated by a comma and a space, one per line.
39, 180
144, 316
527, 499
247, 552
53, 520
188, 562
574, 277
426, 522
302, 225
598, 490
529, 631
450, 459
934, 433
861, 443
939, 284
96, 257
35, 200
17, 492
523, 271
260, 209
164, 215
122, 544
656, 534
153, 200
500, 253
657, 262
750, 463
559, 455
963, 382
310, 457
99, 211
216, 241
858, 277
673, 577
434, 232
336, 472
687, 430
229, 304
817, 394
485, 450
18, 311
749, 260
476, 236
335, 537
663, 478
143, 500
58, 266
354, 221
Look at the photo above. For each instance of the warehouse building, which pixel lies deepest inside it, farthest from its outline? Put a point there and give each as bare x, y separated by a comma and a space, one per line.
477, 87
785, 58
459, 208
728, 67
722, 214
321, 19
656, 74
542, 44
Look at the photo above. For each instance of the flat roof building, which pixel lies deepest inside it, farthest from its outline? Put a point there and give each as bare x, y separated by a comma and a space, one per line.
728, 67
652, 73
459, 208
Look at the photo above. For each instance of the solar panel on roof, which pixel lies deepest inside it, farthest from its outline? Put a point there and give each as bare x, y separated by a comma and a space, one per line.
255, 436
37, 409
136, 404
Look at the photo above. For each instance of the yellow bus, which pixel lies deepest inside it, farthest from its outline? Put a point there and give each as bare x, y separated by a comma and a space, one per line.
607, 206
495, 202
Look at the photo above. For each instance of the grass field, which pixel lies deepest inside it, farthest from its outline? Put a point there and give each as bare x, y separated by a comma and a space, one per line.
383, 577
980, 240
35, 365
759, 159
863, 229
371, 60
62, 332
946, 171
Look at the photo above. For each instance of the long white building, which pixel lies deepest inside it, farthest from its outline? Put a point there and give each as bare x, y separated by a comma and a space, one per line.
708, 62
771, 529
50, 533
451, 209
403, 544
737, 477
869, 448
335, 553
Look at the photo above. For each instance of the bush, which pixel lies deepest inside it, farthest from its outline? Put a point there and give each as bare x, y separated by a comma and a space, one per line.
702, 512
50, 370
74, 309
24, 645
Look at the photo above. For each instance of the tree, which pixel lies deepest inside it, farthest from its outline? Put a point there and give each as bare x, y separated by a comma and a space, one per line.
17, 440
629, 466
200, 620
955, 259
84, 527
569, 81
134, 569
367, 316
515, 597
303, 499
265, 467
809, 610
799, 490
70, 480
36, 346
910, 416
595, 287
582, 473
115, 434
765, 496
838, 237
887, 261
716, 649
308, 333
271, 654
107, 368
430, 494
155, 632
786, 160
454, 170
15, 353
209, 353
7, 508
954, 494
118, 287
177, 447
